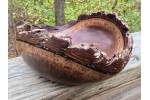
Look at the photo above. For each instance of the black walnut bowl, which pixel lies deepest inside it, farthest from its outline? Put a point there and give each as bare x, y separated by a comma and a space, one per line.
92, 48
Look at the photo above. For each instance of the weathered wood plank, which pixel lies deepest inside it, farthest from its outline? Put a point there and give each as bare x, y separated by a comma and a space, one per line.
24, 84
122, 92
91, 90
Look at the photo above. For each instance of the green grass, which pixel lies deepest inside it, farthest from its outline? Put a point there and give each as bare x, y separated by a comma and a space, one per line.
37, 13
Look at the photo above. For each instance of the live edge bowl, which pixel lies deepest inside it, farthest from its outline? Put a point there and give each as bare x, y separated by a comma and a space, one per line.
92, 48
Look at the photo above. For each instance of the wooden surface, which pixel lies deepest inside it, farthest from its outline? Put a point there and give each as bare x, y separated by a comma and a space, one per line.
24, 84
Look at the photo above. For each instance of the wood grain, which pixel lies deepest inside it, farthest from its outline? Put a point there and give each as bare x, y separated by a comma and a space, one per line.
24, 84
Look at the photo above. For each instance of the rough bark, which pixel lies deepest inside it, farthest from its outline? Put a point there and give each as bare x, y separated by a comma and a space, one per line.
59, 12
12, 31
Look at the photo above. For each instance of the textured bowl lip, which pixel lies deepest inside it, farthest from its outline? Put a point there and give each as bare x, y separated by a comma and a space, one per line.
112, 17
69, 65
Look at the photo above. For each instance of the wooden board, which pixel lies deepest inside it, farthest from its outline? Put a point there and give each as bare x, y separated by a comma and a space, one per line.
24, 84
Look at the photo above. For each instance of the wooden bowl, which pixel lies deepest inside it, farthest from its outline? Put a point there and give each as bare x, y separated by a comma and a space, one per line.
92, 48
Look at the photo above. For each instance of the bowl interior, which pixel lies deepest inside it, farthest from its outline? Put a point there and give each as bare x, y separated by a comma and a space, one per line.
103, 33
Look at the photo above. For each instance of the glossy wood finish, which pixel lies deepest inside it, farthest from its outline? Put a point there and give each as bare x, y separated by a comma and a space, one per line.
57, 68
